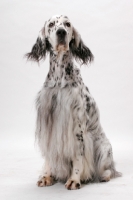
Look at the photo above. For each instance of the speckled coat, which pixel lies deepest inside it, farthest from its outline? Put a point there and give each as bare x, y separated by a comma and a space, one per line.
68, 121
68, 128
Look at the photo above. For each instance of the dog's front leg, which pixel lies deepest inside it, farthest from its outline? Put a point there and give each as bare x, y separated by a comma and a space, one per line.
46, 178
73, 182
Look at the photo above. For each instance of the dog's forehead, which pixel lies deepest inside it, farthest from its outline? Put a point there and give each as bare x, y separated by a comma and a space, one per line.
59, 18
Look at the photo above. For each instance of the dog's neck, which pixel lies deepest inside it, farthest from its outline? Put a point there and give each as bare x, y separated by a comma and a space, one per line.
61, 69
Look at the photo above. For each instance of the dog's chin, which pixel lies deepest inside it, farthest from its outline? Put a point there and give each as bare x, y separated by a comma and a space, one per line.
62, 47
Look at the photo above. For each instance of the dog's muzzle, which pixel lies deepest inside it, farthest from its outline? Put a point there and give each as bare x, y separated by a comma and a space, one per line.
61, 34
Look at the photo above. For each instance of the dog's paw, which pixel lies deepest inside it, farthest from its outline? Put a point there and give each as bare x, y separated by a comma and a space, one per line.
105, 176
104, 179
45, 181
72, 185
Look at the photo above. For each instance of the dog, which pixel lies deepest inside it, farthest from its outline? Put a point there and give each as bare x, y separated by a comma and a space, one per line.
68, 129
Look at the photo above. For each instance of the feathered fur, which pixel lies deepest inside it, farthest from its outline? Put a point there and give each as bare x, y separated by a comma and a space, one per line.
68, 127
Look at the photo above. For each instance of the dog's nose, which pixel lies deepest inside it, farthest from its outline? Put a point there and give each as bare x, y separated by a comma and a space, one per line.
61, 32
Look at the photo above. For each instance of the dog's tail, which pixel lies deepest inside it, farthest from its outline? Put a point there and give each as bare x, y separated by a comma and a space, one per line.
116, 174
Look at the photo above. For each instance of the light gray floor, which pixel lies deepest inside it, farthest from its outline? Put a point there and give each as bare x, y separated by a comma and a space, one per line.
19, 171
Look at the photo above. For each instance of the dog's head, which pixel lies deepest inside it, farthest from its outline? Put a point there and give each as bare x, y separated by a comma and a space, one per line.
59, 35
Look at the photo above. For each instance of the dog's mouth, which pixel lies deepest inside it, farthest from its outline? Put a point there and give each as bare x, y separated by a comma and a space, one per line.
61, 42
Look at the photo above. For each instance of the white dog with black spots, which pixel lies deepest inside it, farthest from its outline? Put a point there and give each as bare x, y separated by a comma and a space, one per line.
68, 128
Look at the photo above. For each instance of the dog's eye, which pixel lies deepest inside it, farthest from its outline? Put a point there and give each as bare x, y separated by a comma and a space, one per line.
51, 25
68, 24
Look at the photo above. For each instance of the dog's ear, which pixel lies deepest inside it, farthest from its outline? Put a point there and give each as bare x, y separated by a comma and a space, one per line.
40, 48
79, 50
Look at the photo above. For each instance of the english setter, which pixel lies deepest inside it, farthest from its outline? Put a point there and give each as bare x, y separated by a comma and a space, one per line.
68, 128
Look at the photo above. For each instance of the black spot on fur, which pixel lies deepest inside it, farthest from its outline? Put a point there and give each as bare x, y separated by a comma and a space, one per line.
87, 107
77, 71
92, 114
53, 103
49, 31
87, 98
109, 153
98, 157
75, 106
69, 69
66, 85
79, 137
87, 89
74, 84
59, 84
87, 123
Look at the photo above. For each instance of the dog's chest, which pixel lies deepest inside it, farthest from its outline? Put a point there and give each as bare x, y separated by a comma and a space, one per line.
59, 115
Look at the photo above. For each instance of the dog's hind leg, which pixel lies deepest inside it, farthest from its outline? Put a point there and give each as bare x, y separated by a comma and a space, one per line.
104, 159
46, 178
